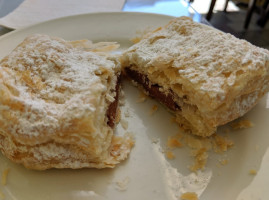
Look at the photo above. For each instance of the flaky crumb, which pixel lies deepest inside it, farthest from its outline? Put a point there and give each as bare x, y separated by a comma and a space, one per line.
221, 144
135, 40
155, 140
122, 98
118, 116
127, 113
200, 147
242, 124
124, 124
122, 185
116, 142
189, 196
200, 161
197, 142
154, 108
170, 155
252, 172
4, 176
141, 34
173, 142
142, 97
224, 161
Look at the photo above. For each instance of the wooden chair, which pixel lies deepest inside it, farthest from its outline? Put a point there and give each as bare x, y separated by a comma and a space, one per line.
251, 8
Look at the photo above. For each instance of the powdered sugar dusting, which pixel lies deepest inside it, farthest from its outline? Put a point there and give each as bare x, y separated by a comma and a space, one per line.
206, 62
47, 85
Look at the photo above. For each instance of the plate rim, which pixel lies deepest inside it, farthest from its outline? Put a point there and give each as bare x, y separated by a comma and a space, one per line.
14, 31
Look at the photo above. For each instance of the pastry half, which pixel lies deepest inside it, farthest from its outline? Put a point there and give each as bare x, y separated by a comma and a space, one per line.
204, 76
58, 105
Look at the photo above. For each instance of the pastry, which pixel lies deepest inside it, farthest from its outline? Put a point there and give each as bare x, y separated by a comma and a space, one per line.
58, 105
207, 78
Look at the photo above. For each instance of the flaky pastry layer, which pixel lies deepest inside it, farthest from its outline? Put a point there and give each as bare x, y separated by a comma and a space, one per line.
215, 77
54, 100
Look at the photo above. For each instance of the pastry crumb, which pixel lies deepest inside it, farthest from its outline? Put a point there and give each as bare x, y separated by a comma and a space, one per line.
4, 176
142, 97
116, 143
135, 40
201, 156
122, 185
118, 116
189, 196
242, 124
124, 124
252, 172
197, 142
224, 161
173, 142
170, 155
140, 35
155, 140
221, 144
122, 98
200, 147
127, 113
154, 108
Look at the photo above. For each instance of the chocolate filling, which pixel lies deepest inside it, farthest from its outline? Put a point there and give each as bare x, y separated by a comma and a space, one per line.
112, 108
154, 89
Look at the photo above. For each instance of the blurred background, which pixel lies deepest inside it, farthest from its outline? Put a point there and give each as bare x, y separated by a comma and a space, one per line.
233, 19
229, 16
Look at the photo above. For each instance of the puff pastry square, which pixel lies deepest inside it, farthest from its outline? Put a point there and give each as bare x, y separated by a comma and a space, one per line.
204, 76
57, 106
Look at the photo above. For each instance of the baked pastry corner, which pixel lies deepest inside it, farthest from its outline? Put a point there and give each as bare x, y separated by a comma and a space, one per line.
58, 105
207, 78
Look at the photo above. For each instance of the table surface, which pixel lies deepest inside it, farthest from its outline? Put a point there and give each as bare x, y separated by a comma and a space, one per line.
174, 8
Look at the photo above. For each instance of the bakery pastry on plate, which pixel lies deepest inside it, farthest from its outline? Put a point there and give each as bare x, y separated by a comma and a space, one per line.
58, 105
204, 76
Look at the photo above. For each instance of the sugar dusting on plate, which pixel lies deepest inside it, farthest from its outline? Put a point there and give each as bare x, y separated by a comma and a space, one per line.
178, 184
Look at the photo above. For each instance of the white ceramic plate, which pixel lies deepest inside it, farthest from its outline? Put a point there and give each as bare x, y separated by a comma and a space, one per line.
147, 174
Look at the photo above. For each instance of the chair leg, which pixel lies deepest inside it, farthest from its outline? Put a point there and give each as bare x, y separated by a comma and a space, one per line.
251, 8
265, 17
210, 11
226, 5
264, 14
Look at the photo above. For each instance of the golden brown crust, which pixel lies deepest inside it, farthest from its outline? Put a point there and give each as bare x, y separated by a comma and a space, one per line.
57, 155
215, 76
53, 107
